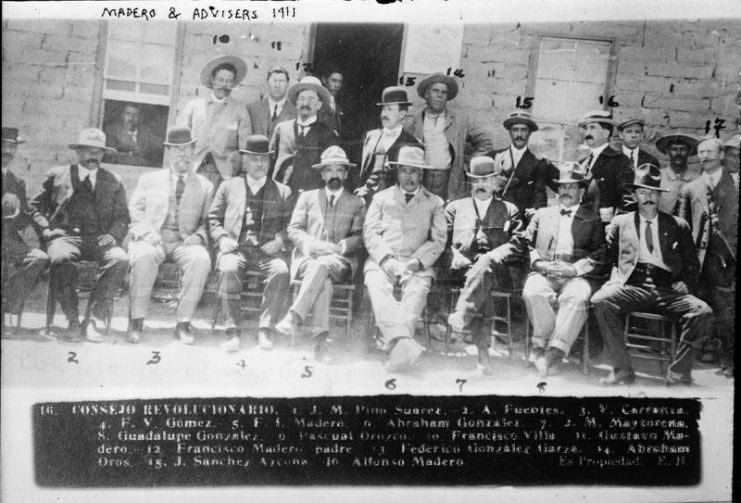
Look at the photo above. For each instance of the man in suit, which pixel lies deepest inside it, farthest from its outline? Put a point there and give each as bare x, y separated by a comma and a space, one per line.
566, 243
446, 134
710, 205
21, 265
631, 134
679, 148
485, 233
248, 221
730, 158
265, 114
83, 216
218, 122
382, 145
300, 142
168, 212
609, 170
326, 231
404, 234
135, 143
655, 268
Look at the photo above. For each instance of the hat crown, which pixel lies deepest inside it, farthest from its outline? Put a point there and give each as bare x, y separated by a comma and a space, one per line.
596, 115
334, 155
178, 135
411, 155
394, 94
91, 137
647, 175
11, 134
520, 114
571, 172
256, 144
483, 166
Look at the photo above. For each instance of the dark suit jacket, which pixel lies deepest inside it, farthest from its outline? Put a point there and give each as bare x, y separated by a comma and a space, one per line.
300, 153
146, 151
331, 118
527, 183
611, 176
14, 226
110, 201
377, 178
260, 116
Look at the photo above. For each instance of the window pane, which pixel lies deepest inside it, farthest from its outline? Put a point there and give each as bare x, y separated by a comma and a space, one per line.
556, 59
162, 33
157, 66
122, 57
155, 89
125, 30
120, 85
593, 60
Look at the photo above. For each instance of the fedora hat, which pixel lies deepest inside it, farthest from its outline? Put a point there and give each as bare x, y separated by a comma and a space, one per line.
10, 134
394, 95
483, 166
178, 136
333, 155
666, 141
571, 172
520, 117
411, 156
648, 176
91, 138
256, 144
630, 122
313, 84
238, 63
599, 116
733, 142
438, 78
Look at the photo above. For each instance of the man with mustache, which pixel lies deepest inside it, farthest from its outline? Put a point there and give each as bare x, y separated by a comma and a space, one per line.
679, 148
405, 234
135, 143
655, 269
485, 233
710, 205
21, 265
730, 158
83, 216
168, 222
219, 123
265, 114
448, 136
300, 142
326, 230
381, 146
566, 243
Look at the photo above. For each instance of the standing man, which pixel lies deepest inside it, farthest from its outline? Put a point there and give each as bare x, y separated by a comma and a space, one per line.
21, 265
485, 233
445, 133
301, 141
655, 268
168, 212
631, 134
248, 221
567, 245
331, 114
267, 113
710, 205
405, 234
679, 147
218, 122
326, 230
730, 158
83, 216
381, 146
135, 143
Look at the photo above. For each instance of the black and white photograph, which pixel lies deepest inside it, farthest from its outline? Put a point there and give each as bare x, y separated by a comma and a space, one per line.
348, 250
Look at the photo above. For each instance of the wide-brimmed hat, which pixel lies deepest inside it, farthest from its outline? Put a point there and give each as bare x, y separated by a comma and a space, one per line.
256, 144
520, 117
733, 142
600, 116
10, 134
331, 156
91, 137
313, 84
434, 79
394, 95
411, 156
630, 122
571, 172
483, 166
238, 63
648, 176
666, 141
178, 136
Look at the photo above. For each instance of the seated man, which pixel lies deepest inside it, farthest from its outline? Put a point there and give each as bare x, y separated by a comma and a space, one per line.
485, 232
405, 234
326, 231
248, 221
168, 222
654, 266
566, 244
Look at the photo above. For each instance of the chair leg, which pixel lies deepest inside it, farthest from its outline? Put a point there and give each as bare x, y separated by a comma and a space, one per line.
51, 305
510, 344
585, 349
217, 311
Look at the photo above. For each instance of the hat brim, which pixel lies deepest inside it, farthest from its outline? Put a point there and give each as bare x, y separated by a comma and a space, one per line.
16, 141
271, 152
333, 163
641, 186
168, 144
663, 143
75, 146
571, 180
410, 164
394, 103
322, 91
598, 120
630, 123
469, 175
438, 78
509, 122
238, 63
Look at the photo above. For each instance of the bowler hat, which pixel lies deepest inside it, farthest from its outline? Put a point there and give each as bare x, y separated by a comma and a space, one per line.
394, 95
571, 172
520, 117
257, 144
313, 84
439, 78
238, 63
411, 156
666, 141
333, 155
178, 136
648, 176
630, 122
91, 138
483, 166
10, 134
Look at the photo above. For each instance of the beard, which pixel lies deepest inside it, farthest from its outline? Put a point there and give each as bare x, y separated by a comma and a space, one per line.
334, 183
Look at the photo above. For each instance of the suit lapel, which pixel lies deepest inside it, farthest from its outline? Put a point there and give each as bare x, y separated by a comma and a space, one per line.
322, 198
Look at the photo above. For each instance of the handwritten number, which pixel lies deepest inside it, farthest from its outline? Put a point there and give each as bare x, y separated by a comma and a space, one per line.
307, 371
524, 104
72, 357
390, 384
610, 102
155, 358
541, 387
717, 126
460, 383
242, 364
408, 82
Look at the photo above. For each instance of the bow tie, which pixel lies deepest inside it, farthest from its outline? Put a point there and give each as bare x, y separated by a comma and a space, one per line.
566, 212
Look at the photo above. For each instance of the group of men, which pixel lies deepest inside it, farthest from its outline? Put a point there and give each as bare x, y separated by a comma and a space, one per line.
265, 188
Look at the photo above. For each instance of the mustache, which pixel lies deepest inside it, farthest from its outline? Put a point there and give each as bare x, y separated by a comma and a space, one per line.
589, 137
334, 180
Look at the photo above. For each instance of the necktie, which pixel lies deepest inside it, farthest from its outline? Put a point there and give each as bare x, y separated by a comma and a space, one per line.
331, 200
589, 162
275, 112
179, 188
303, 130
408, 197
649, 237
87, 184
633, 159
566, 212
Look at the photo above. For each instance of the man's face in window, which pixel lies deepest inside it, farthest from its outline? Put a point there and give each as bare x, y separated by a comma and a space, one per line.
130, 117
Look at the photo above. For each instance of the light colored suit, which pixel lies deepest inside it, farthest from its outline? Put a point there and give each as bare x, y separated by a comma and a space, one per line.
261, 116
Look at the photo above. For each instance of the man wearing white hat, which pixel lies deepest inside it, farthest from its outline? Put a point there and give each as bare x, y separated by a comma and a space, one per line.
405, 233
326, 230
83, 216
679, 148
218, 122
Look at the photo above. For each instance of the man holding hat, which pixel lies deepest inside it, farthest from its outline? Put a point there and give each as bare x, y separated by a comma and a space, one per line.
168, 212
300, 142
485, 233
631, 136
248, 221
445, 133
326, 231
265, 114
679, 148
566, 243
655, 268
83, 216
382, 145
21, 265
218, 122
405, 234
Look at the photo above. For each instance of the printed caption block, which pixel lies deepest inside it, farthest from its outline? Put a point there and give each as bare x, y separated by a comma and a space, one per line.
401, 440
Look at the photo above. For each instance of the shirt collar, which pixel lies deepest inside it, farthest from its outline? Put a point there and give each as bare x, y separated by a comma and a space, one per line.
217, 100
482, 204
652, 220
392, 132
572, 209
311, 120
255, 185
415, 192
174, 175
519, 151
715, 177
280, 103
598, 150
336, 193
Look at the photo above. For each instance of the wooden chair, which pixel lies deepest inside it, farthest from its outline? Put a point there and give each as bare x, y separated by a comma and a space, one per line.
341, 307
252, 292
650, 336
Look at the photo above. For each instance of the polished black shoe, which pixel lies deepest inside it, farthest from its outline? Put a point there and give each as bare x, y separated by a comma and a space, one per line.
618, 376
183, 332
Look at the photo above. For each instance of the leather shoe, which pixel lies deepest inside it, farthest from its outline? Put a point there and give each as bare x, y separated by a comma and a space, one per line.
619, 376
403, 355
231, 344
91, 332
677, 378
456, 321
182, 332
728, 371
288, 326
554, 361
321, 353
263, 340
74, 332
135, 331
484, 360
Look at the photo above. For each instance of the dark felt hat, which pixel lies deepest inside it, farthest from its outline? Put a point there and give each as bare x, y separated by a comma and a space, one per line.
178, 136
11, 134
439, 78
394, 95
256, 144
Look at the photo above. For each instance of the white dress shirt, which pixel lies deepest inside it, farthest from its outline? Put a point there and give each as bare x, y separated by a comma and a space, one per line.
83, 172
634, 159
517, 154
272, 104
389, 137
711, 180
595, 154
655, 257
255, 185
482, 206
305, 126
564, 239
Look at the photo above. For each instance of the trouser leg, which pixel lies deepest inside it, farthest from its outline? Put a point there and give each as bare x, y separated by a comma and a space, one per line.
144, 260
196, 265
414, 290
573, 302
64, 252
230, 286
112, 266
386, 308
24, 270
275, 297
696, 319
539, 296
